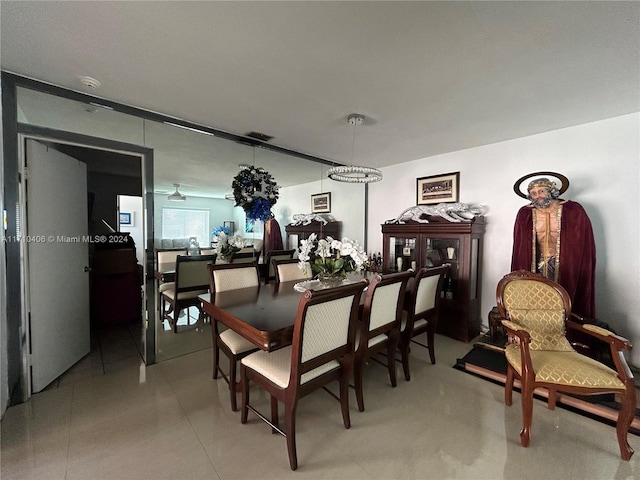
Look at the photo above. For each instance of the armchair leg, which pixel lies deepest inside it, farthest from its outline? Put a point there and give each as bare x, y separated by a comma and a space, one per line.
625, 417
527, 412
232, 384
404, 352
275, 420
508, 387
344, 397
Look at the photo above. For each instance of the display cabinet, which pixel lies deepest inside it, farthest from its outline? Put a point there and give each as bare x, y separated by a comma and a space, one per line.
416, 245
296, 233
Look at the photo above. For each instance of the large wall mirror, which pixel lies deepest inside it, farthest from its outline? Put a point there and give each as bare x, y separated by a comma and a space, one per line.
203, 165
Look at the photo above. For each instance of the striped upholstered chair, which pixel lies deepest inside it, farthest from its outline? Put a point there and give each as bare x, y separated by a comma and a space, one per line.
321, 352
535, 312
225, 277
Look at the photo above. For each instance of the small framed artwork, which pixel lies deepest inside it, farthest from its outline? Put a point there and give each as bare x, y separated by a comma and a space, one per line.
126, 218
321, 203
438, 189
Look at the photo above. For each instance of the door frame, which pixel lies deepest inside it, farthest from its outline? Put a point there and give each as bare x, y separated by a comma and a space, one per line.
31, 132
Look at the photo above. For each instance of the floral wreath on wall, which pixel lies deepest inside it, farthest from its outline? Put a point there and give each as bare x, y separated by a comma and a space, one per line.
255, 190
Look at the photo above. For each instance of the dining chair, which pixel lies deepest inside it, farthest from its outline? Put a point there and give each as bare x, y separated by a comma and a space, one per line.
166, 260
208, 251
244, 257
192, 279
288, 270
379, 328
275, 255
536, 312
225, 277
321, 352
421, 313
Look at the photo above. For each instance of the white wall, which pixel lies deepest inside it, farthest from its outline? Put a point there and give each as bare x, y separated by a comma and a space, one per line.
601, 160
347, 205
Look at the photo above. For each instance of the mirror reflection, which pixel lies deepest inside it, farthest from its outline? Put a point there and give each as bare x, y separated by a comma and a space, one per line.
203, 166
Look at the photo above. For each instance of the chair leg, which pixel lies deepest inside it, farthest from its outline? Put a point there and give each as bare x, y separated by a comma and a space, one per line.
344, 396
290, 426
275, 418
527, 411
551, 399
232, 384
216, 349
431, 335
508, 386
176, 314
244, 380
404, 352
625, 417
391, 364
357, 380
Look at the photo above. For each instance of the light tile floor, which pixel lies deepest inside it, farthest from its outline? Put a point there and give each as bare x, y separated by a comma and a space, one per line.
171, 420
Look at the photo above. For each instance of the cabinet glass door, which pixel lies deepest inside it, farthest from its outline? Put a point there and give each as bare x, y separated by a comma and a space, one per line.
439, 251
402, 254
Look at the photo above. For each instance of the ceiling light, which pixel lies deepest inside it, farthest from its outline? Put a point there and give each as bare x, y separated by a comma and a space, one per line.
352, 173
177, 196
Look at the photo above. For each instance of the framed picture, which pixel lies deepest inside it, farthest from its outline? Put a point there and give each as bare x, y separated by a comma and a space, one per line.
321, 203
438, 189
126, 218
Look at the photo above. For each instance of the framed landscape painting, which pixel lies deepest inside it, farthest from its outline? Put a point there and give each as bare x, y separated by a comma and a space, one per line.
438, 189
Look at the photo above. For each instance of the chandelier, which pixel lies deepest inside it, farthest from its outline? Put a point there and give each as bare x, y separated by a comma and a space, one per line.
352, 173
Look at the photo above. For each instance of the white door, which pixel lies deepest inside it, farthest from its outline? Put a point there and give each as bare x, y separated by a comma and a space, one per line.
58, 259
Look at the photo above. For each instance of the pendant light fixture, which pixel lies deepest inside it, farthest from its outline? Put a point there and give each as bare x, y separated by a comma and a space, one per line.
351, 173
177, 196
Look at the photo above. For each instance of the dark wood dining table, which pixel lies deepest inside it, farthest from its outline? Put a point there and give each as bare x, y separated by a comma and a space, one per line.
264, 315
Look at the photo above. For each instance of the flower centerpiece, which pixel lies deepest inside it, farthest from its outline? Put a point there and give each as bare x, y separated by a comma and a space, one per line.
331, 259
218, 230
227, 245
255, 190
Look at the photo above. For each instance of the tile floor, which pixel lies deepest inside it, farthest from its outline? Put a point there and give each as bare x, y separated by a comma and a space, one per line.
171, 420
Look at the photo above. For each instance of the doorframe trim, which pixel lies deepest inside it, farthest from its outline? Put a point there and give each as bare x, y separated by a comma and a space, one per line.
33, 132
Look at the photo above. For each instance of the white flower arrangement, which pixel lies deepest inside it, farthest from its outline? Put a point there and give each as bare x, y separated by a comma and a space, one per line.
330, 257
227, 245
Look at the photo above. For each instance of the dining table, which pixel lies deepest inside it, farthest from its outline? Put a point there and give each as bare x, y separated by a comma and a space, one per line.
265, 314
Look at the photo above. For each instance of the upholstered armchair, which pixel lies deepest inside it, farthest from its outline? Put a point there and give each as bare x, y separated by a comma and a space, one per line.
536, 312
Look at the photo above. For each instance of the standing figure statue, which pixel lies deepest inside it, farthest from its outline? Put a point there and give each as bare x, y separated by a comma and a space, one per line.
554, 237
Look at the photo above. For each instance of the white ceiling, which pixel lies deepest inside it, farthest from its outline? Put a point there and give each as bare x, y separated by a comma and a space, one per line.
429, 77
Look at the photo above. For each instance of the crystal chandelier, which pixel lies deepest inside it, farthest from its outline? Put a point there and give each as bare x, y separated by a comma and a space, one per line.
352, 173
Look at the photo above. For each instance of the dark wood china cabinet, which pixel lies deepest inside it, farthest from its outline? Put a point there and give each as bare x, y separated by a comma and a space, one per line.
417, 245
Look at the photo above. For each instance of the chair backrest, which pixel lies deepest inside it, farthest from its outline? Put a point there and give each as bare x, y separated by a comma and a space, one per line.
539, 305
192, 273
244, 257
426, 290
232, 276
166, 257
288, 270
324, 329
276, 255
208, 251
383, 302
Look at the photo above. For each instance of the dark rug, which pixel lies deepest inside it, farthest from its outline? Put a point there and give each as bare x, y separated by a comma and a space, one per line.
488, 362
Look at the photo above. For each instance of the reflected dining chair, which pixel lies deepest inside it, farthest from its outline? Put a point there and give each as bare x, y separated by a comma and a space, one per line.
535, 312
321, 352
244, 257
379, 328
289, 270
421, 313
275, 255
192, 279
225, 277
